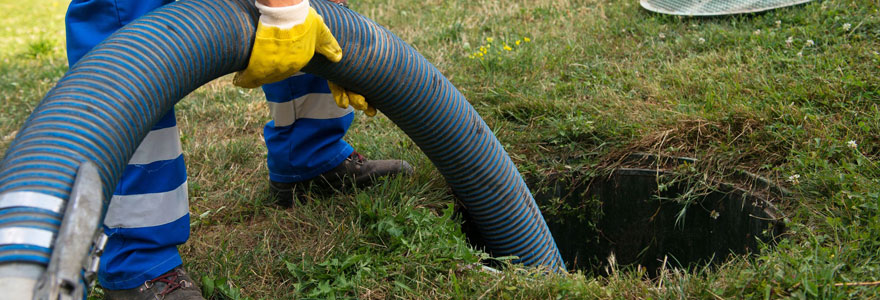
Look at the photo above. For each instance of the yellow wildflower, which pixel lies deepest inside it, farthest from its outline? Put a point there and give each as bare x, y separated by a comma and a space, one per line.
506, 47
517, 42
488, 39
527, 39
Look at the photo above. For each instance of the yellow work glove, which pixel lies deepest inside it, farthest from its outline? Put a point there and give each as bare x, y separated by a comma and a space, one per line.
345, 97
287, 38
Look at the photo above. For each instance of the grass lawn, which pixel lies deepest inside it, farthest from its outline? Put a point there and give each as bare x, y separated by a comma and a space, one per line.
568, 87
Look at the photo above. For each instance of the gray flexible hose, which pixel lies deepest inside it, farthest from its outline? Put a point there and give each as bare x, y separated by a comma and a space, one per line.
106, 104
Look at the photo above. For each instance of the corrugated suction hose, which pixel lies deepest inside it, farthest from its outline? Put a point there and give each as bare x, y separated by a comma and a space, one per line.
105, 105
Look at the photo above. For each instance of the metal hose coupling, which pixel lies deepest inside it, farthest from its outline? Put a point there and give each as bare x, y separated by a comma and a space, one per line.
75, 251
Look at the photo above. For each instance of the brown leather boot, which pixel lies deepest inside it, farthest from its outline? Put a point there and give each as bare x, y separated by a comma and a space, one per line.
355, 169
173, 285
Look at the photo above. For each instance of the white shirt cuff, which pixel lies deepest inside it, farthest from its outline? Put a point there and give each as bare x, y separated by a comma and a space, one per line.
283, 17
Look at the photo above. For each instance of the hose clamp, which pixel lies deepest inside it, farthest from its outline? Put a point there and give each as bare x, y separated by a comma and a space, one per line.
71, 267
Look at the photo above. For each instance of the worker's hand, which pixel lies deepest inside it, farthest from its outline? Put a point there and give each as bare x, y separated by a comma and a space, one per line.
344, 98
287, 38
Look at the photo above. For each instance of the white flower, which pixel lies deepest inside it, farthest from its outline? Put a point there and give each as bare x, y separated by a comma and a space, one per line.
800, 54
789, 40
810, 43
846, 26
794, 179
757, 32
662, 36
852, 144
778, 22
701, 40
714, 214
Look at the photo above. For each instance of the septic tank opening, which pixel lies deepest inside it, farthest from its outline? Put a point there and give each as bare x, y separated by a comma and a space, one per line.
649, 216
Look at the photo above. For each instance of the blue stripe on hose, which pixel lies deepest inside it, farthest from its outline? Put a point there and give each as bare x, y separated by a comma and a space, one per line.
522, 244
138, 68
41, 140
526, 250
484, 208
150, 64
535, 254
466, 172
383, 81
142, 65
479, 190
28, 210
502, 213
102, 54
505, 237
64, 131
436, 120
188, 28
473, 142
17, 168
381, 68
417, 114
196, 40
183, 64
24, 258
484, 191
51, 188
405, 64
127, 94
214, 16
176, 67
502, 234
471, 168
36, 170
550, 254
60, 115
116, 153
490, 207
29, 219
161, 54
452, 153
32, 156
79, 108
24, 248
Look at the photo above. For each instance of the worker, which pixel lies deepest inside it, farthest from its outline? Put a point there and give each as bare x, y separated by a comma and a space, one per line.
148, 216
